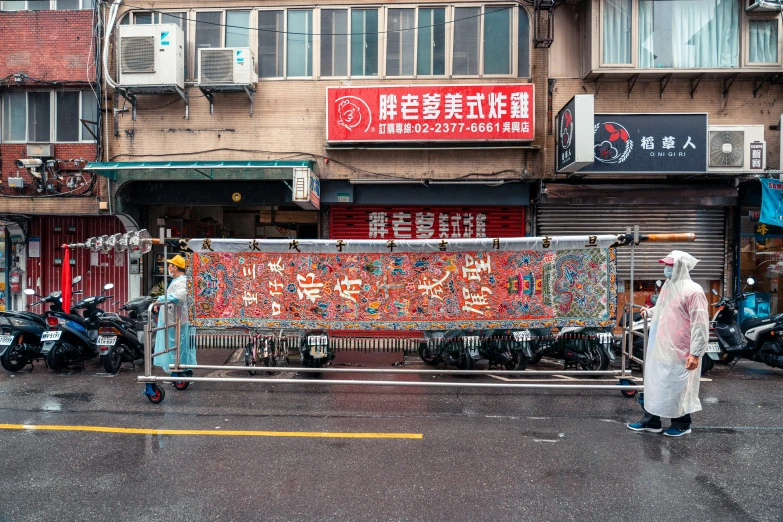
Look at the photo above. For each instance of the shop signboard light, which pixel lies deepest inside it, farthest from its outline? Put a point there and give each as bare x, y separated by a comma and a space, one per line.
306, 189
430, 113
575, 124
650, 143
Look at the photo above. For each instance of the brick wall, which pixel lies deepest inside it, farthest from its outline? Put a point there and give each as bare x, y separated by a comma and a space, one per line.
47, 45
9, 153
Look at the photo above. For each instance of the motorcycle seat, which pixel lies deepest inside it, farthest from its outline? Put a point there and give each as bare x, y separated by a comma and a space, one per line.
754, 322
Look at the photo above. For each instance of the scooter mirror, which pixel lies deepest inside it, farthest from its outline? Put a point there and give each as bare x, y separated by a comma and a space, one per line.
751, 281
29, 291
108, 286
714, 292
76, 280
659, 283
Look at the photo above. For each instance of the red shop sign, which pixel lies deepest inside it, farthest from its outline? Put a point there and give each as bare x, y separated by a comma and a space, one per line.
351, 222
490, 112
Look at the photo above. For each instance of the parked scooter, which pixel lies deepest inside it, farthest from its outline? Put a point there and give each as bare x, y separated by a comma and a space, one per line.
71, 338
20, 342
463, 348
757, 338
589, 348
315, 350
121, 337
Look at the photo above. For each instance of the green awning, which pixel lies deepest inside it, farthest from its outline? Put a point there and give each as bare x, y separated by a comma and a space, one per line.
182, 170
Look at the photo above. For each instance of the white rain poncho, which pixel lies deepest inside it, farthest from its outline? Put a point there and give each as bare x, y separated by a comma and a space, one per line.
679, 328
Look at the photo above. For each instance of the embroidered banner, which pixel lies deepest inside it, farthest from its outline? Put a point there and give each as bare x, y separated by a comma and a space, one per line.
479, 289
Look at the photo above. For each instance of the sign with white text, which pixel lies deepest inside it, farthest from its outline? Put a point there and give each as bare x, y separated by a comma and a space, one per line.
672, 143
489, 112
575, 124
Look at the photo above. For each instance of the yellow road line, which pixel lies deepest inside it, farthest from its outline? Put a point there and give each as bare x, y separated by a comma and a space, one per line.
219, 433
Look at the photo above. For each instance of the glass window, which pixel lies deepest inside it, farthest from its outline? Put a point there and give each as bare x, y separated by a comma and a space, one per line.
270, 44
237, 28
39, 116
89, 113
67, 110
686, 35
37, 5
364, 42
14, 116
497, 40
300, 44
617, 31
181, 19
334, 42
207, 31
431, 59
13, 5
142, 18
68, 4
400, 42
523, 45
763, 41
467, 38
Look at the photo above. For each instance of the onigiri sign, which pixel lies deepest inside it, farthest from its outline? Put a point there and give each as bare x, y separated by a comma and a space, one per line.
670, 143
430, 113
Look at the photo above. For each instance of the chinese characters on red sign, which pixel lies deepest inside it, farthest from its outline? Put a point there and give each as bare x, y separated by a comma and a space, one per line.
492, 112
356, 222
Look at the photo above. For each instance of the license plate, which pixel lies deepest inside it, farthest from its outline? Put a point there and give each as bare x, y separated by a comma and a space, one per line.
522, 336
51, 336
316, 340
713, 348
5, 340
106, 340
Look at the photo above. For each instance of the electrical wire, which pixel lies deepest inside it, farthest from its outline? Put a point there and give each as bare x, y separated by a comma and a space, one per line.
297, 154
185, 19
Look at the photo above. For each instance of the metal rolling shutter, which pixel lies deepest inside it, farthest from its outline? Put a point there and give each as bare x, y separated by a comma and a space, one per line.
708, 223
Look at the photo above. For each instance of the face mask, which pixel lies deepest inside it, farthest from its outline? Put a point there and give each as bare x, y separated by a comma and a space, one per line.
668, 271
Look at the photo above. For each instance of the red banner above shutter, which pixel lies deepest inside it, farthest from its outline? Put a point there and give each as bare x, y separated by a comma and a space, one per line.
411, 222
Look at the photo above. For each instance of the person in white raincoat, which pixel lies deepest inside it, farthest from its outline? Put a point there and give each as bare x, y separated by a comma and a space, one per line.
678, 338
177, 294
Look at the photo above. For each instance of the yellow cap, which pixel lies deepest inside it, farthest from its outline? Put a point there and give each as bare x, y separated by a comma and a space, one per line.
178, 261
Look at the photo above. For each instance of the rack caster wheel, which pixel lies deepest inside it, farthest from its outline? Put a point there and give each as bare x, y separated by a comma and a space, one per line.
155, 393
627, 393
181, 385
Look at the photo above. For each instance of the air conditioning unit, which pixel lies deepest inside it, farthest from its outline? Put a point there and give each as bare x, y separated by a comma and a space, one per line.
151, 55
737, 148
763, 6
227, 66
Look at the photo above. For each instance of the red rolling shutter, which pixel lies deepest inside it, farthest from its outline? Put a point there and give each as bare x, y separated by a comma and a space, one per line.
413, 222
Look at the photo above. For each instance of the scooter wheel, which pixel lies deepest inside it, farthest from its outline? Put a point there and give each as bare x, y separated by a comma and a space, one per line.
157, 396
181, 385
629, 393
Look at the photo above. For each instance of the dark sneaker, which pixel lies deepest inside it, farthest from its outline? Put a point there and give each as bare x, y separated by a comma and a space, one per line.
638, 426
676, 432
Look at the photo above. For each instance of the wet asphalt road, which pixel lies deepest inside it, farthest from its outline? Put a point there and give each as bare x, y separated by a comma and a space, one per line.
482, 455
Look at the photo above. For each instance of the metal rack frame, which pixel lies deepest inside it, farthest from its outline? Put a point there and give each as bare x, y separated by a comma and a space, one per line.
181, 374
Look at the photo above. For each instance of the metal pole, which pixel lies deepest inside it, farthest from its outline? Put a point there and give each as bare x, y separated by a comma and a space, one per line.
292, 369
318, 382
165, 288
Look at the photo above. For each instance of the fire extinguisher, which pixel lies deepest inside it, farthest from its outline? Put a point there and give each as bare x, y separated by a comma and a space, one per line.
15, 277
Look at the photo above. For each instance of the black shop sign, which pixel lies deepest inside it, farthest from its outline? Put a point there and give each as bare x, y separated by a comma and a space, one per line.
671, 143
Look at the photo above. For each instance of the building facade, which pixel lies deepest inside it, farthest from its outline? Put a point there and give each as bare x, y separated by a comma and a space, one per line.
49, 130
638, 58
